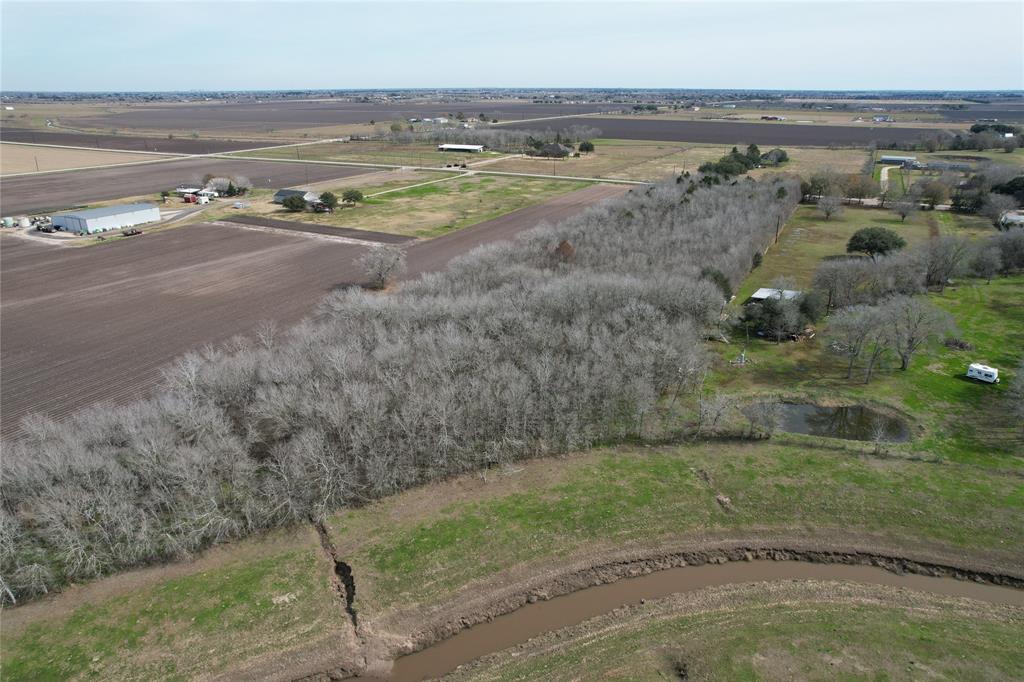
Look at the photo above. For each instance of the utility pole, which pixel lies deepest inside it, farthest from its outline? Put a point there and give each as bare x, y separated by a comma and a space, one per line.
37, 163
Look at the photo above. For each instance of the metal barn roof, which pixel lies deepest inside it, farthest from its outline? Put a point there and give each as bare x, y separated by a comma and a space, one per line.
764, 293
107, 211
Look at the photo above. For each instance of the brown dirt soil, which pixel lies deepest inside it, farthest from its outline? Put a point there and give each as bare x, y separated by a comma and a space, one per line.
82, 326
19, 158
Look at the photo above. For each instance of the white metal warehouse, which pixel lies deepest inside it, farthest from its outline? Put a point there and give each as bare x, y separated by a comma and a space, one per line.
107, 218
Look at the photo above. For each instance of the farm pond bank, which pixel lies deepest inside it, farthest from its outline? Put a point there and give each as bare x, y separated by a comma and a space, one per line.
848, 422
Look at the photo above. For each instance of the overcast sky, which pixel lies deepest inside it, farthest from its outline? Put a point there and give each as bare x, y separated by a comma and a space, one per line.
724, 44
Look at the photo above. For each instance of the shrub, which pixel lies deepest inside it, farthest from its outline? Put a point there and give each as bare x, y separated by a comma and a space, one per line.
294, 203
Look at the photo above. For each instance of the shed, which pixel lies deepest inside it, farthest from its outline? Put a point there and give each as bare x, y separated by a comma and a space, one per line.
898, 160
307, 196
469, 148
764, 293
1012, 219
107, 218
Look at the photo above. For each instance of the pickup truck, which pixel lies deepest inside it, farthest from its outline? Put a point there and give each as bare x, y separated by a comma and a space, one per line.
132, 232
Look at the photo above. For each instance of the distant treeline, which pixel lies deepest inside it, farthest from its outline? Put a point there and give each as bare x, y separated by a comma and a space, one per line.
499, 139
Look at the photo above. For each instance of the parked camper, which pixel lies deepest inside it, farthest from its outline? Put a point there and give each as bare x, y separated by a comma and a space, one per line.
990, 375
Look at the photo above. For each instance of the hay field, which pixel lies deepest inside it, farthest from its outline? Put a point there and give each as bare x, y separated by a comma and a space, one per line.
19, 158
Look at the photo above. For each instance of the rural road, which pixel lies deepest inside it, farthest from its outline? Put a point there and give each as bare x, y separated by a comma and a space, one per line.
96, 324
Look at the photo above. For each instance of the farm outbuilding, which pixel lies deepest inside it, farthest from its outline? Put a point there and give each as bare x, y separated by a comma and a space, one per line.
283, 194
470, 148
765, 293
107, 218
898, 160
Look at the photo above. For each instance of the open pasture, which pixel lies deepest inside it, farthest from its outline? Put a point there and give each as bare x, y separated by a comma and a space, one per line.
381, 152
653, 161
430, 206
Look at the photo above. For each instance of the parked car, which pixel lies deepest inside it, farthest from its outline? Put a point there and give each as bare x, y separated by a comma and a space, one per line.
131, 232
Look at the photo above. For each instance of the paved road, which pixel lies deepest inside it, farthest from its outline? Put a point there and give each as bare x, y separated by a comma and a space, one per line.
96, 324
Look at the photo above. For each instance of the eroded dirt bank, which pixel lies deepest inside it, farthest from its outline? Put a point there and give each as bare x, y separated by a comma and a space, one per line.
508, 618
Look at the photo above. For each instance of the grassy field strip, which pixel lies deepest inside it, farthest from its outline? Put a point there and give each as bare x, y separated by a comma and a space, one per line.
421, 184
541, 176
786, 631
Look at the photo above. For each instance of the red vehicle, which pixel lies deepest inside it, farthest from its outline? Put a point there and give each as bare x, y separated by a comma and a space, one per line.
191, 198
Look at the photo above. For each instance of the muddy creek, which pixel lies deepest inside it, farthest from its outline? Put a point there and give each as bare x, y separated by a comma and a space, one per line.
538, 618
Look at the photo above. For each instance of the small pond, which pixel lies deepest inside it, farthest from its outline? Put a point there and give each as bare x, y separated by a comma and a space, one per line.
853, 422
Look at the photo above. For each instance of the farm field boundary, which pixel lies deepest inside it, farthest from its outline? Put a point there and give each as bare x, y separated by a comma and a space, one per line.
346, 232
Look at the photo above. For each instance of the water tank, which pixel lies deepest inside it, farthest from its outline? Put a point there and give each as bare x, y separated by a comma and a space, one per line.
23, 221
8, 222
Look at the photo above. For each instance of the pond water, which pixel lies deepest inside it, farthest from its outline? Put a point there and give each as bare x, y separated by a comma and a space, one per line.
853, 422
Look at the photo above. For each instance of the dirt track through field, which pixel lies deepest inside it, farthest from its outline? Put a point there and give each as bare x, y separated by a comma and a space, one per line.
733, 132
313, 228
62, 190
95, 324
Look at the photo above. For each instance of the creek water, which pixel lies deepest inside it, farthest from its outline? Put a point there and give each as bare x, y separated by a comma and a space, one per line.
853, 422
538, 618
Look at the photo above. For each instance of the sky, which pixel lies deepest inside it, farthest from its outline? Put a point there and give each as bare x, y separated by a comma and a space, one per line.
235, 45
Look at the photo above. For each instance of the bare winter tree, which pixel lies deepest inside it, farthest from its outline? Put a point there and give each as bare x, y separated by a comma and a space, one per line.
905, 208
986, 262
943, 258
830, 205
849, 331
381, 263
764, 415
713, 408
913, 322
995, 205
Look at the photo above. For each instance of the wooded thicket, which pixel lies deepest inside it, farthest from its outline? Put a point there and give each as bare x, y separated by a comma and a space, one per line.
564, 338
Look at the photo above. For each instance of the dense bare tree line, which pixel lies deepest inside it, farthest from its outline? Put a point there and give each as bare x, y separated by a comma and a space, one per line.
562, 339
499, 139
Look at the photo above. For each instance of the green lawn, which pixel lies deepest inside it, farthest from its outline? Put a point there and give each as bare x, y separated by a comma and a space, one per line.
808, 238
370, 152
962, 420
207, 620
815, 631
